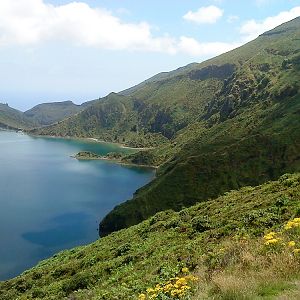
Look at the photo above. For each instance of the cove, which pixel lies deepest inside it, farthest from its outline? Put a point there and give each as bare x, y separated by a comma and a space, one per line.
50, 201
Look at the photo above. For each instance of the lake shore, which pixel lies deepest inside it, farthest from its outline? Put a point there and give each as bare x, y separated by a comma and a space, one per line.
98, 157
90, 139
92, 156
119, 144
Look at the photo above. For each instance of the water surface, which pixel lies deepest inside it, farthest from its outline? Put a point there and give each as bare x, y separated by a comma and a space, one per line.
50, 201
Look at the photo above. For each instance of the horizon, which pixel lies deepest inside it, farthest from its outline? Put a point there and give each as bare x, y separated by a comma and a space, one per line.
56, 50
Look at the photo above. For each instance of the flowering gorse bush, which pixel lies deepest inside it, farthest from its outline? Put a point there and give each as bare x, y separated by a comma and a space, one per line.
293, 224
288, 238
175, 288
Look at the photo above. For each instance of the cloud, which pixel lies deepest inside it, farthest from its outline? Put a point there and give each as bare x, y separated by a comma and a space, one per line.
29, 22
252, 29
195, 48
208, 15
33, 22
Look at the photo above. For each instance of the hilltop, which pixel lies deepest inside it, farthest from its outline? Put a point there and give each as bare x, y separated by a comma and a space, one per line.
11, 118
40, 115
49, 113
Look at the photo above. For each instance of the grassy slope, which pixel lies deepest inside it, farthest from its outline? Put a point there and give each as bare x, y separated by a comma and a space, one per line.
247, 134
218, 240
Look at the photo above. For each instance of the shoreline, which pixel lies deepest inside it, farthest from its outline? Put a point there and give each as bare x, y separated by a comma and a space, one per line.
90, 139
95, 140
116, 161
118, 144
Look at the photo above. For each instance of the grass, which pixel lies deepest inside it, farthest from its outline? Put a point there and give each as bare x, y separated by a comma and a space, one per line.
220, 241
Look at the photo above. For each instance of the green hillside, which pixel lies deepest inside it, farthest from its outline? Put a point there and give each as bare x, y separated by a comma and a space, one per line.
49, 113
225, 123
213, 250
249, 132
11, 118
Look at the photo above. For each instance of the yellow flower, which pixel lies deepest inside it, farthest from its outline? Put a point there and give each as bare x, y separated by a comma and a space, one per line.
142, 297
291, 244
168, 287
181, 281
296, 251
150, 290
271, 235
293, 223
185, 270
271, 241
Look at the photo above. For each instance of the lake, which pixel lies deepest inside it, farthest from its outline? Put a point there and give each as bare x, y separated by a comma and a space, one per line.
50, 201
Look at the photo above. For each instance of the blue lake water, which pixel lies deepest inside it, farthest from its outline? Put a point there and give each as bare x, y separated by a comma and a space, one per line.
50, 201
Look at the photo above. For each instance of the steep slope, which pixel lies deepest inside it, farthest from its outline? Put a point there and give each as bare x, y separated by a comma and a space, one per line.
219, 241
49, 113
246, 133
13, 119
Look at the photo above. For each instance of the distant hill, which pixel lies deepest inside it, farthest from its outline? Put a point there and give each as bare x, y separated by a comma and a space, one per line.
231, 121
40, 115
11, 118
49, 113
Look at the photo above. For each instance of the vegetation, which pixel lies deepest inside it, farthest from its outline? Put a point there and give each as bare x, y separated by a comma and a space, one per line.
222, 243
246, 132
49, 113
87, 155
13, 119
40, 115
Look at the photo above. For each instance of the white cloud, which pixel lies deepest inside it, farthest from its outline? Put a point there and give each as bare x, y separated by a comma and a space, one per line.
29, 22
193, 47
252, 28
32, 22
209, 15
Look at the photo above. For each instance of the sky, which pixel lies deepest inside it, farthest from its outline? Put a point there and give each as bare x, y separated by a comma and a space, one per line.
57, 50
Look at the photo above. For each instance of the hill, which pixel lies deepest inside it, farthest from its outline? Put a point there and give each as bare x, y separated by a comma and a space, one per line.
11, 118
40, 115
213, 250
246, 132
49, 113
